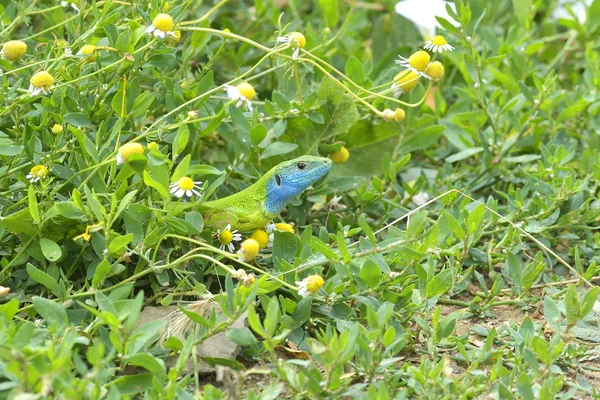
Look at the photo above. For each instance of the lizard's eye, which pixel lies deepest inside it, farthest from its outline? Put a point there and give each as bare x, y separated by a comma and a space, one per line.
278, 180
301, 165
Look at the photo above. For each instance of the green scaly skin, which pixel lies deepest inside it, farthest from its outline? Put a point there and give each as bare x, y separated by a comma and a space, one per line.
257, 205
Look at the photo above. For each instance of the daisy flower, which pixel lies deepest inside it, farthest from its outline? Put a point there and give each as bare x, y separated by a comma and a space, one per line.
310, 285
41, 82
244, 93
437, 44
417, 62
297, 40
162, 26
248, 252
227, 237
13, 50
68, 52
127, 150
56, 129
37, 172
185, 186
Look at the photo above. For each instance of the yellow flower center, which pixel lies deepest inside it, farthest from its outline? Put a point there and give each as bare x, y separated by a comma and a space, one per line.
87, 49
247, 90
298, 39
340, 156
399, 115
249, 249
56, 129
14, 49
225, 237
314, 283
419, 60
185, 183
439, 40
261, 237
42, 80
39, 171
152, 146
282, 226
406, 81
435, 71
163, 22
130, 148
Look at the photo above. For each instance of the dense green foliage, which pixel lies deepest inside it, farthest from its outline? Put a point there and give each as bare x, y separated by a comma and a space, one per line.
487, 288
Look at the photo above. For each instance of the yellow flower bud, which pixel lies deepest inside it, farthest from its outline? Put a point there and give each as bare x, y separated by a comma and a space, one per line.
127, 150
249, 250
435, 71
13, 50
261, 237
399, 115
419, 60
56, 129
340, 156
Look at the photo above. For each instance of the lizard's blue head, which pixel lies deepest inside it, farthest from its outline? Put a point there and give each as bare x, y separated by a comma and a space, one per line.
288, 179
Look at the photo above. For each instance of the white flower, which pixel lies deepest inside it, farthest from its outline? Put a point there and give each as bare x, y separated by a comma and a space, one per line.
422, 13
420, 198
297, 40
68, 52
244, 93
185, 186
310, 285
437, 44
67, 4
37, 172
227, 237
162, 26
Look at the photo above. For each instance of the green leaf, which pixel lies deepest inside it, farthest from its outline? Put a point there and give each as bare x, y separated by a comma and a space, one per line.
50, 249
284, 245
46, 280
439, 284
331, 11
118, 243
572, 305
33, 205
149, 181
588, 302
152, 364
242, 336
370, 273
515, 272
277, 149
421, 140
301, 313
552, 313
355, 70
102, 270
79, 120
258, 134
239, 119
53, 313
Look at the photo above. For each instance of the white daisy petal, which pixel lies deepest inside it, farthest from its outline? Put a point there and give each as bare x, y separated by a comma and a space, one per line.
179, 192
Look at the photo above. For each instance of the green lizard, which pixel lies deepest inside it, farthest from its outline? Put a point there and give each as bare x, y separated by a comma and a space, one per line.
255, 206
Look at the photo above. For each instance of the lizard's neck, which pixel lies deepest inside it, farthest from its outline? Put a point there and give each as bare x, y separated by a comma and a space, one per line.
279, 193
